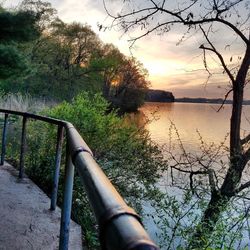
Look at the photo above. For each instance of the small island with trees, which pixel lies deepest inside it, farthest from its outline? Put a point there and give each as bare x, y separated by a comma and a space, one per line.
153, 95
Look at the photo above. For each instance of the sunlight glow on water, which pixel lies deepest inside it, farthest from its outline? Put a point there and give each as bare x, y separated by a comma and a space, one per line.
188, 118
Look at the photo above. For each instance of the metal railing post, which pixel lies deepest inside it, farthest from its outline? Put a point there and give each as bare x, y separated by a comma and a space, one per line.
4, 138
23, 148
67, 202
57, 167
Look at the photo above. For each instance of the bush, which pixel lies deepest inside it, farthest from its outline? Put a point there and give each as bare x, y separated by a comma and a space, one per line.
126, 154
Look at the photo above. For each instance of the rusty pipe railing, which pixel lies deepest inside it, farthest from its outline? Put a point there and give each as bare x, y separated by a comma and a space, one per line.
119, 226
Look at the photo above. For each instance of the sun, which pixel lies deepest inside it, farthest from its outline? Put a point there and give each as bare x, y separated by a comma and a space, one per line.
162, 67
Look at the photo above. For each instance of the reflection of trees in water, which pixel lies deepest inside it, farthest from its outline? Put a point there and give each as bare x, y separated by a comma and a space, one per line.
137, 118
149, 113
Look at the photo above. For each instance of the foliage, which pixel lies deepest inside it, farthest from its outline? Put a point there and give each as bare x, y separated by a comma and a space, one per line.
16, 28
44, 12
64, 59
192, 177
11, 61
59, 59
78, 61
127, 155
129, 88
114, 142
177, 215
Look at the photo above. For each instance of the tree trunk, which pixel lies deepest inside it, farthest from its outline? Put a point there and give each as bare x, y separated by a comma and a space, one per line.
106, 89
220, 198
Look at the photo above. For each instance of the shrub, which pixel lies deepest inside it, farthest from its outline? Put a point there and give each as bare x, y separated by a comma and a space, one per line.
126, 154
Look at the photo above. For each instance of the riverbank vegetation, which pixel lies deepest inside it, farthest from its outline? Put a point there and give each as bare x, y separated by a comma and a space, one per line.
126, 154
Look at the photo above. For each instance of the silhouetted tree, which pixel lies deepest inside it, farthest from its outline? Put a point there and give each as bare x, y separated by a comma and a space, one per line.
108, 61
130, 85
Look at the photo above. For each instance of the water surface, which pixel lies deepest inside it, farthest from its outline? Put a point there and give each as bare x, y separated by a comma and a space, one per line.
188, 118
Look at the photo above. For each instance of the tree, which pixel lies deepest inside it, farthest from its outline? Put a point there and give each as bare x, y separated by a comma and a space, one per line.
20, 28
108, 61
65, 60
209, 18
44, 12
129, 88
124, 78
61, 58
16, 27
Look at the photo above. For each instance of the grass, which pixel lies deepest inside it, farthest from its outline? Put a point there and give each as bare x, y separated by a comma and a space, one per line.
24, 103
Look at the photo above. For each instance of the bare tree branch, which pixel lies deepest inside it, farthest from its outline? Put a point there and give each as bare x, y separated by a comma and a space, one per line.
242, 187
128, 14
133, 40
235, 29
213, 49
193, 172
225, 98
245, 140
185, 21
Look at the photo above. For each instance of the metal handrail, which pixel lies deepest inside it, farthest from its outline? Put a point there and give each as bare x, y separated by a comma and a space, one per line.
119, 225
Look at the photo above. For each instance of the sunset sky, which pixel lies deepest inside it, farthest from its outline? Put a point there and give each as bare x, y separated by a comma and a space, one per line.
172, 67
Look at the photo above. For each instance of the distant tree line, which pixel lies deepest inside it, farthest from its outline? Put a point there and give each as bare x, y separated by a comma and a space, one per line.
45, 57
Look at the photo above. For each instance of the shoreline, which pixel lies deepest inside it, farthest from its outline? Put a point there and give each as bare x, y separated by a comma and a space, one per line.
200, 100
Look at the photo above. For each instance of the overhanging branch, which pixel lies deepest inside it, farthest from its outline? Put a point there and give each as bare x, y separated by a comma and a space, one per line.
177, 15
193, 172
242, 187
213, 49
245, 140
225, 98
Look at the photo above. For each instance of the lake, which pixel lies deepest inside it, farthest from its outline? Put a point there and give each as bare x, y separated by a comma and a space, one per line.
188, 118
